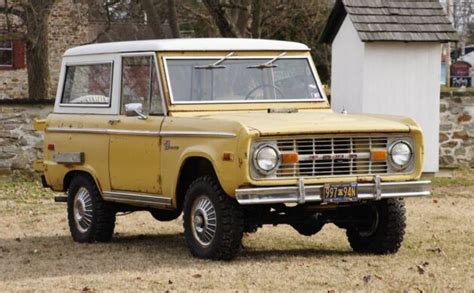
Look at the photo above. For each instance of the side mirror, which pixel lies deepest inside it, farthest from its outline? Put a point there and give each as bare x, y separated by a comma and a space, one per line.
135, 109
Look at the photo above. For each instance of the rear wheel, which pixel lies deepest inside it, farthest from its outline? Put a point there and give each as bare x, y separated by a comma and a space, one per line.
384, 229
213, 221
90, 218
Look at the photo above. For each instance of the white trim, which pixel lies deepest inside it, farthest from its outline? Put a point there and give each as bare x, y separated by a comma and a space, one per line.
111, 80
197, 133
141, 132
111, 109
308, 59
196, 44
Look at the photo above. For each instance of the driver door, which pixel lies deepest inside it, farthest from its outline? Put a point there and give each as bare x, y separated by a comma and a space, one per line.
134, 156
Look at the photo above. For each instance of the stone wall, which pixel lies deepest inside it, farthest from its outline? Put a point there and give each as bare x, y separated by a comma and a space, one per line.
20, 145
457, 130
68, 27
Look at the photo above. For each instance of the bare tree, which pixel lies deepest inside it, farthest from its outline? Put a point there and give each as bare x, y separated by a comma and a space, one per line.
256, 18
173, 19
153, 18
219, 14
33, 16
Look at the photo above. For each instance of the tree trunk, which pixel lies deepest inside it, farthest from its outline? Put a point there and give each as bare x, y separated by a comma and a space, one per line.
256, 18
173, 18
37, 50
243, 19
226, 28
153, 19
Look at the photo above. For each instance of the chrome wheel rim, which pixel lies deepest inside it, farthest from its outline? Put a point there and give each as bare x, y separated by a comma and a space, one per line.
203, 220
83, 209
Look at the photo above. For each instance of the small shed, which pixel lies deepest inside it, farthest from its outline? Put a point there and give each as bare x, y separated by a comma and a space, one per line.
386, 58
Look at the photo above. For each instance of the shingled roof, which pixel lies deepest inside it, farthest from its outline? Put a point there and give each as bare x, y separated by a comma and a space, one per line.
392, 20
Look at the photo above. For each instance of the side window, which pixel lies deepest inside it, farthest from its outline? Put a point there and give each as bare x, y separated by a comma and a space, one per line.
140, 84
88, 84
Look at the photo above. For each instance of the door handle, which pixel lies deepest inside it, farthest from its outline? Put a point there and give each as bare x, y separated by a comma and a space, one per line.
114, 121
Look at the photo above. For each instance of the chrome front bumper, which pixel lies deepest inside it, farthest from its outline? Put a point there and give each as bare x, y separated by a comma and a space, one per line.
312, 193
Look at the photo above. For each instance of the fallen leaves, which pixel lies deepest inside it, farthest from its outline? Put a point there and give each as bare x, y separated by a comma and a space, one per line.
422, 267
437, 250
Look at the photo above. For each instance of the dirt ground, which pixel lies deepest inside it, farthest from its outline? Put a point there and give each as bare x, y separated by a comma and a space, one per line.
37, 253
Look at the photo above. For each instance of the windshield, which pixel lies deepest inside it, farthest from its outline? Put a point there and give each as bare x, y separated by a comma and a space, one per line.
237, 80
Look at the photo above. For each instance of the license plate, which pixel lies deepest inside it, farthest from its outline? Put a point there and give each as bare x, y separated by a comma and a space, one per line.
340, 192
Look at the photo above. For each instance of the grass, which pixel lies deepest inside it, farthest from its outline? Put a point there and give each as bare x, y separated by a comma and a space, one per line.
461, 177
37, 253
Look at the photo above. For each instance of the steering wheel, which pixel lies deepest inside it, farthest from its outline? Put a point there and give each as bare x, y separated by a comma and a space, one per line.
249, 95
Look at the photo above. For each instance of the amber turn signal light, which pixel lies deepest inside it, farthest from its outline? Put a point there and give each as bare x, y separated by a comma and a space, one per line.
289, 158
378, 155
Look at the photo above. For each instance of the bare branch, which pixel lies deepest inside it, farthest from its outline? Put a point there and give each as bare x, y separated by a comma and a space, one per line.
234, 6
202, 16
218, 13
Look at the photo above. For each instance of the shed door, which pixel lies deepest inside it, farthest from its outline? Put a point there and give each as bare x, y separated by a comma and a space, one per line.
134, 158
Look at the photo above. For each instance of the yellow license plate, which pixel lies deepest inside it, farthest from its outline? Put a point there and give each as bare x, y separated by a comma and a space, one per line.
339, 192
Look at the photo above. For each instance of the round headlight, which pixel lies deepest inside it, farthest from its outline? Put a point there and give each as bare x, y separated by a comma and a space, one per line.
401, 154
266, 159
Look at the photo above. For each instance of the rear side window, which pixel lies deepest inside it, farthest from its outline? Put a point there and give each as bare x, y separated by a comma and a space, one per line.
88, 84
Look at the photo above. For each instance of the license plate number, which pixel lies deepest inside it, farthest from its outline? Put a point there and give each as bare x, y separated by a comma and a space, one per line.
339, 192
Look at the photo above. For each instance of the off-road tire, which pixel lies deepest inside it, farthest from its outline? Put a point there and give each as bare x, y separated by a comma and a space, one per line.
388, 235
226, 243
309, 226
164, 215
103, 213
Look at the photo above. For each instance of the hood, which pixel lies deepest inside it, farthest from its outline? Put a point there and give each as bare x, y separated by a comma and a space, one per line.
311, 122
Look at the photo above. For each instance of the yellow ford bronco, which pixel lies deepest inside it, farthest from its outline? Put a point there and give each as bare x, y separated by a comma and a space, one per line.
231, 133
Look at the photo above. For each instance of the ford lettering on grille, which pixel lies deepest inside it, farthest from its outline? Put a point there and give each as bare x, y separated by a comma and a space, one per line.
328, 156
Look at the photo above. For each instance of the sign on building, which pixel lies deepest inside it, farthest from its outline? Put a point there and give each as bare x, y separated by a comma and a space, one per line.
460, 72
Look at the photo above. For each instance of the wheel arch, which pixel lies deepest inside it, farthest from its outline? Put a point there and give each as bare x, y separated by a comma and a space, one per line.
192, 168
70, 175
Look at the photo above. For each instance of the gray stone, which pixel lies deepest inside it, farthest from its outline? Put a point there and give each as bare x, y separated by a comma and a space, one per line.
6, 156
9, 149
446, 161
20, 162
446, 127
4, 164
460, 152
450, 144
443, 107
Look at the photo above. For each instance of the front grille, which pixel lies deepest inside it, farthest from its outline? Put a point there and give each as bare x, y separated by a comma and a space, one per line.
332, 156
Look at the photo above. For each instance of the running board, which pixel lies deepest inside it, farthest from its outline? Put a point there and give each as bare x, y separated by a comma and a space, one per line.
141, 199
60, 198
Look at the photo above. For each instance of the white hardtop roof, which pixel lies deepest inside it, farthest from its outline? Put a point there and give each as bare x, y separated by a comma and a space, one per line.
200, 44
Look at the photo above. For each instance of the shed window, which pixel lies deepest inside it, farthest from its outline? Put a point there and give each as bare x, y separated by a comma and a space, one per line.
88, 84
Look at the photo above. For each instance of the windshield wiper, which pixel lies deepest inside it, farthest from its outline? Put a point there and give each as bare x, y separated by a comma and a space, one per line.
215, 64
268, 64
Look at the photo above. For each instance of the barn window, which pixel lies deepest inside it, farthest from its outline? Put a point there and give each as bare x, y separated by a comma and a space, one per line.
12, 55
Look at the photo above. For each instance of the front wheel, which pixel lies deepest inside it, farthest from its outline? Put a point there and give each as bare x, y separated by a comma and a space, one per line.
213, 221
90, 218
384, 229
